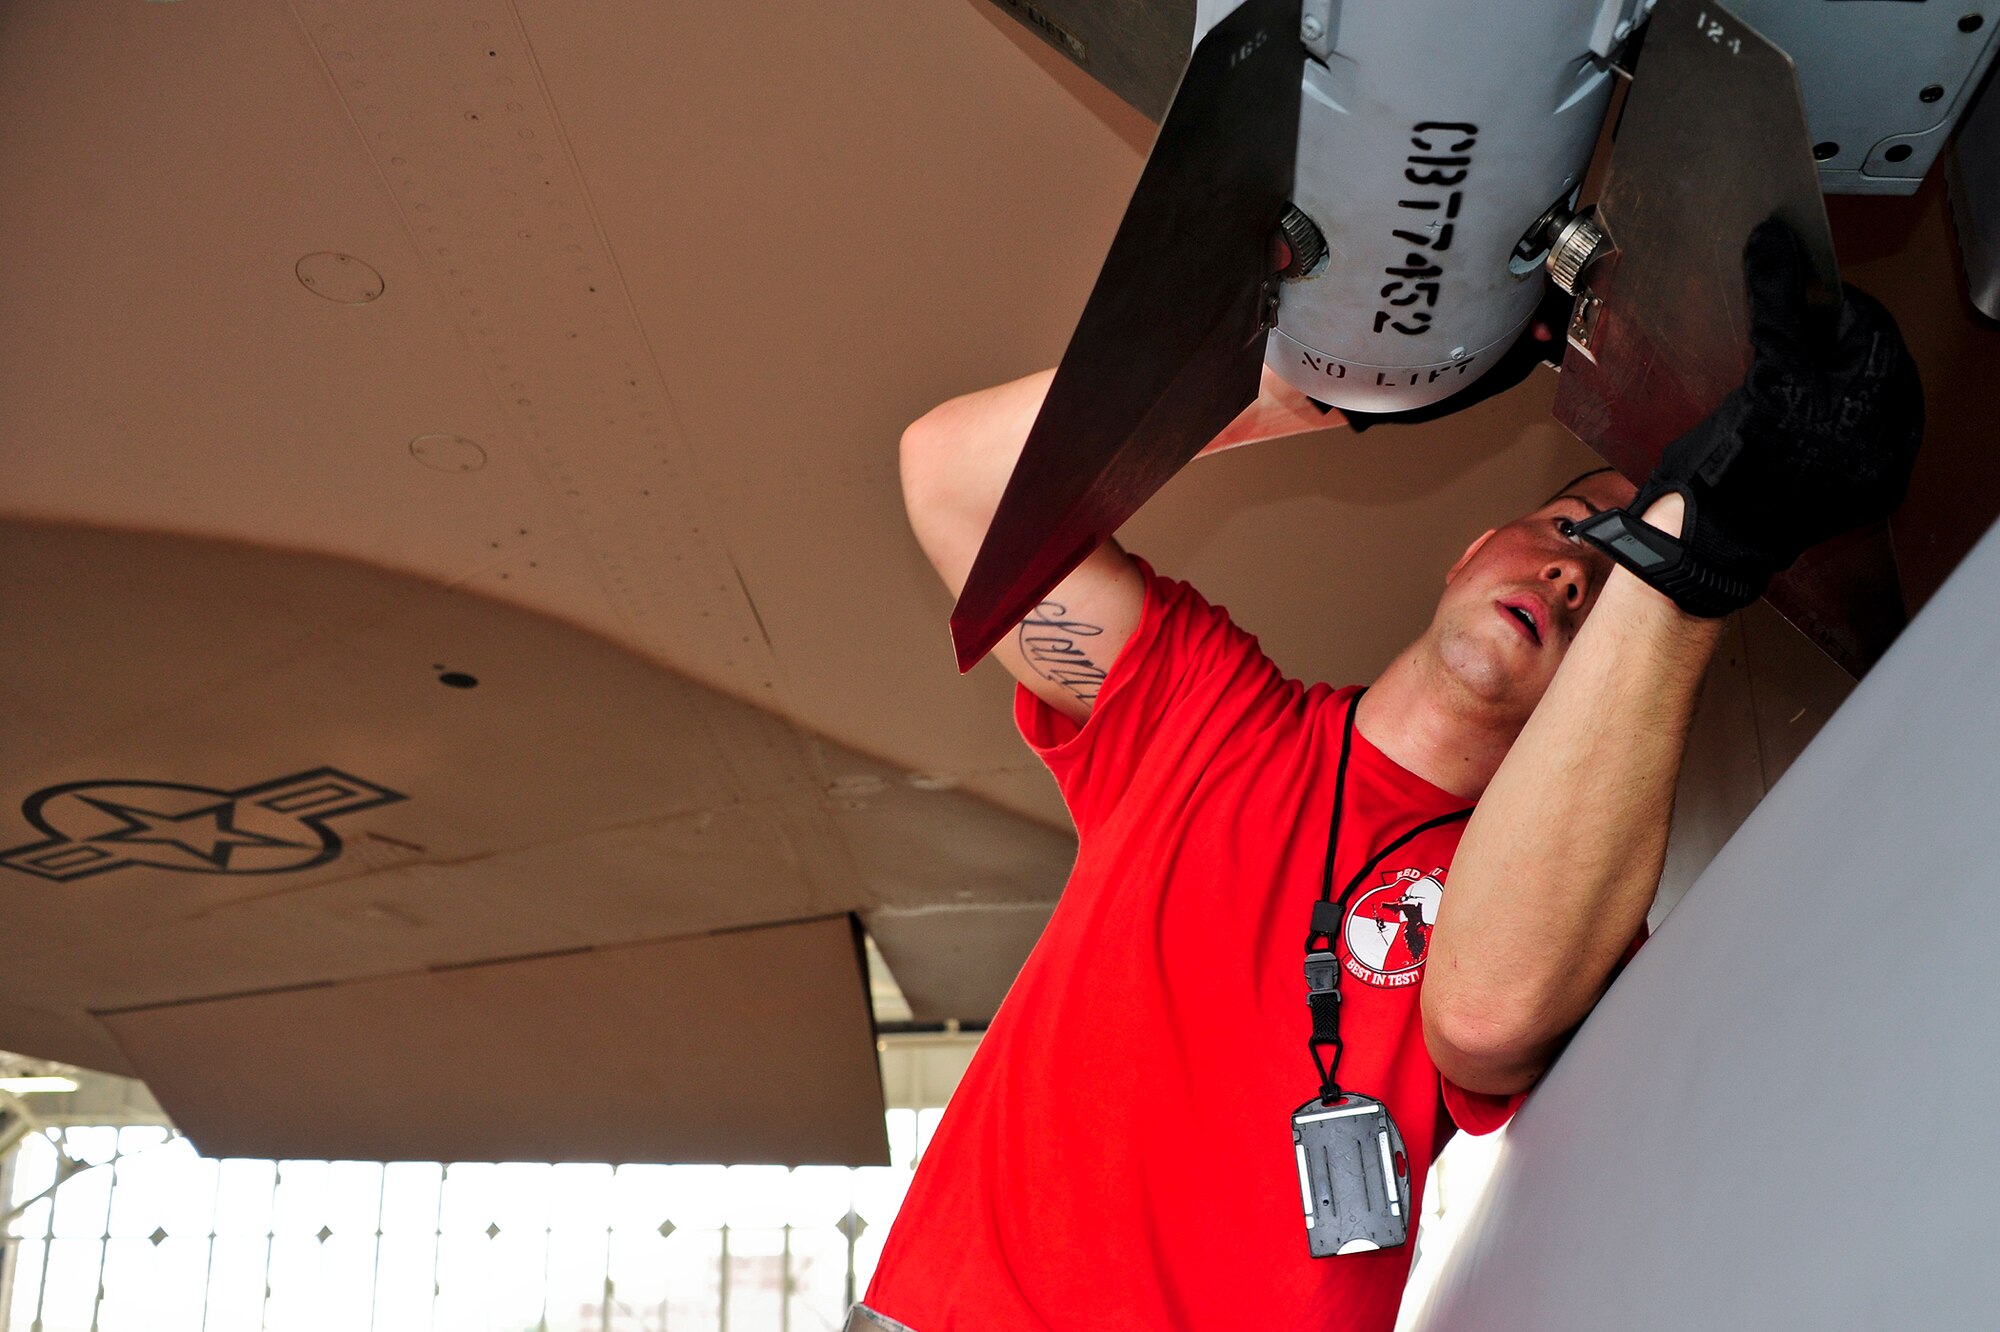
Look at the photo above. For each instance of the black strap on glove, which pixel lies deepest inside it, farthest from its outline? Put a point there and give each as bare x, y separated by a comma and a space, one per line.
1820, 439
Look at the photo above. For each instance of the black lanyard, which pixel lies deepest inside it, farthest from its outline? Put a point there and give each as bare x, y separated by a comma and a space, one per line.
1322, 960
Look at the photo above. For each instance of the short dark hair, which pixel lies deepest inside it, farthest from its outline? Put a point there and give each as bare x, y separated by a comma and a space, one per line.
1564, 488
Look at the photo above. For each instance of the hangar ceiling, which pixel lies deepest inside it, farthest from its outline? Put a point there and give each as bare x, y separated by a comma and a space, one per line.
564, 347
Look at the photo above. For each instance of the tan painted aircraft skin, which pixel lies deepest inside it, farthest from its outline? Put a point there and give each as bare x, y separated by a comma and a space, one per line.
614, 315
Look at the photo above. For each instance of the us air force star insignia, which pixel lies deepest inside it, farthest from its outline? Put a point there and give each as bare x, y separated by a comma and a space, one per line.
205, 833
1388, 930
275, 827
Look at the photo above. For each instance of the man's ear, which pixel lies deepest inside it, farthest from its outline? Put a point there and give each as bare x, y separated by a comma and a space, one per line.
1470, 551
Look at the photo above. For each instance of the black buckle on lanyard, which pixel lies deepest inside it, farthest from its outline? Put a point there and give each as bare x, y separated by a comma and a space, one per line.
1323, 996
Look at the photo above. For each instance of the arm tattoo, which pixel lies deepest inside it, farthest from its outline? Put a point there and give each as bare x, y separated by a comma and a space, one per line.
1049, 642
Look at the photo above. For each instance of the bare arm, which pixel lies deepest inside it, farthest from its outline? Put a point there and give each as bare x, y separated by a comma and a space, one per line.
956, 460
1559, 865
955, 463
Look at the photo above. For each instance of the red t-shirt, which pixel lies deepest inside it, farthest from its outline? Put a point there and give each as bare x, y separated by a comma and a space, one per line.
1119, 1154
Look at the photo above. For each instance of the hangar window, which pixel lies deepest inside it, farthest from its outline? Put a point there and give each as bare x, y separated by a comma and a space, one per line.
154, 1237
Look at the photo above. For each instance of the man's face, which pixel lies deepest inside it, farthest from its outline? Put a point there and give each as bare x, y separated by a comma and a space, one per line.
1514, 602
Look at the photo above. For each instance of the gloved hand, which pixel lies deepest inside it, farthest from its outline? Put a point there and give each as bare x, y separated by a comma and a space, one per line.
1820, 439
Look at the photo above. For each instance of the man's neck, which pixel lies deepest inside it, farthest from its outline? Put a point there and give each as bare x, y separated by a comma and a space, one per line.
1428, 723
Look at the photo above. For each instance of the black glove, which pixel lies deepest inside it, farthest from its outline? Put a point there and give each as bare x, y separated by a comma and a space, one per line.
1820, 439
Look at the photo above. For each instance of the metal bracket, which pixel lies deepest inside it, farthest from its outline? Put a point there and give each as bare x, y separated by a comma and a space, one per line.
1583, 323
1267, 309
1319, 27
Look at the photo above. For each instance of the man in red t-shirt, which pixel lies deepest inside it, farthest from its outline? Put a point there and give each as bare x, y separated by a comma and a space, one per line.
1119, 1154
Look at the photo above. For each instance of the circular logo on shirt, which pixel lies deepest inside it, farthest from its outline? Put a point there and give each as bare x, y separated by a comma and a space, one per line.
1389, 927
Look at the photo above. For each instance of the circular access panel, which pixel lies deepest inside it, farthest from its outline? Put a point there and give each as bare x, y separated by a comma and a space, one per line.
340, 278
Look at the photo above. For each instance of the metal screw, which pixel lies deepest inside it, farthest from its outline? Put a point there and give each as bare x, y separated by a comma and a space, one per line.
1311, 29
